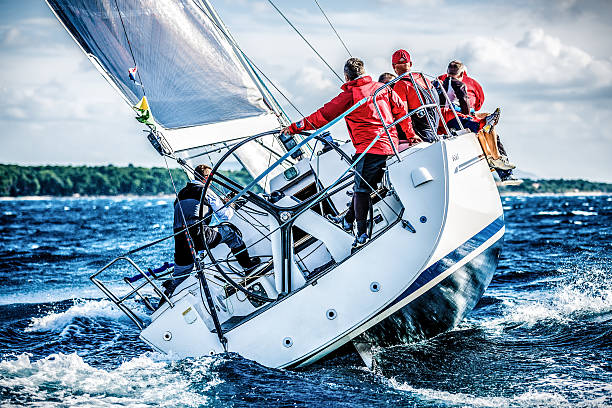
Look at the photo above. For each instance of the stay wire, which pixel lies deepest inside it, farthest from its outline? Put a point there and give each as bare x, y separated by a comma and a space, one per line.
306, 41
250, 61
131, 51
332, 27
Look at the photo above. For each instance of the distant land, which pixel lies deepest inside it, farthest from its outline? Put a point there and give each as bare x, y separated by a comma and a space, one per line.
558, 186
19, 181
61, 181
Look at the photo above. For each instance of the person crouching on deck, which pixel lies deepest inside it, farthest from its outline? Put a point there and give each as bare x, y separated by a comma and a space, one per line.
213, 230
364, 125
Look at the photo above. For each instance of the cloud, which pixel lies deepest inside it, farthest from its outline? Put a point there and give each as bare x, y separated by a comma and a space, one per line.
32, 32
536, 58
315, 78
411, 3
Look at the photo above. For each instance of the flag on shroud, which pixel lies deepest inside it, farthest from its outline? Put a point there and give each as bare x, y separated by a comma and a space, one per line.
143, 105
132, 73
142, 109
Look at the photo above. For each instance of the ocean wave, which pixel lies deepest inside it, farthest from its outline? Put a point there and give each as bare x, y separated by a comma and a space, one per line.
549, 213
91, 309
530, 398
585, 295
584, 213
142, 381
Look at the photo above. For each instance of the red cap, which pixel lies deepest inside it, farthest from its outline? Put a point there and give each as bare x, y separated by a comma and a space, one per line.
400, 57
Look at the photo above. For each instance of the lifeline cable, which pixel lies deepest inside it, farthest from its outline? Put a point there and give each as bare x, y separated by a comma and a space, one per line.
332, 27
306, 41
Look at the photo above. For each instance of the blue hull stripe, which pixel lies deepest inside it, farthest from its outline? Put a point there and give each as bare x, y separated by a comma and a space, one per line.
452, 258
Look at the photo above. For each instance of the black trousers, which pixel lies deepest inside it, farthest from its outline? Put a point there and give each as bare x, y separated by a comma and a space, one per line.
369, 172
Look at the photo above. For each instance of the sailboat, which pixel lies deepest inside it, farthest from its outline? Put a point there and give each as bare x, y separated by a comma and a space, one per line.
436, 223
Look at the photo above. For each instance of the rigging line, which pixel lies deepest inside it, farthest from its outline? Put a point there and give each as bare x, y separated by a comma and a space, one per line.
306, 41
332, 27
250, 61
131, 51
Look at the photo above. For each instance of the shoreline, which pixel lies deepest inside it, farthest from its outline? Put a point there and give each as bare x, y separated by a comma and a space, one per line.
566, 194
88, 197
172, 196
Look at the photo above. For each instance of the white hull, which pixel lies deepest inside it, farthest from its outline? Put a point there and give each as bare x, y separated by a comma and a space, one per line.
459, 222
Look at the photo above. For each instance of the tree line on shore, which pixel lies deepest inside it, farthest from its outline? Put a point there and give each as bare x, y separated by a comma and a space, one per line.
18, 181
550, 186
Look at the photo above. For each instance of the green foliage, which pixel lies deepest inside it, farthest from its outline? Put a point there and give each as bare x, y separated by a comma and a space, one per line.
544, 186
111, 180
83, 180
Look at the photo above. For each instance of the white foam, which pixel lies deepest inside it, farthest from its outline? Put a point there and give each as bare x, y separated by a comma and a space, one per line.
549, 213
585, 213
141, 381
461, 399
586, 293
57, 321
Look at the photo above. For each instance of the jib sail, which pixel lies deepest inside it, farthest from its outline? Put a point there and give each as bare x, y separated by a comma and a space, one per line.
179, 54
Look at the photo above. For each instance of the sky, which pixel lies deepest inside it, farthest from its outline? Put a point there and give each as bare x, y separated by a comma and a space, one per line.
546, 63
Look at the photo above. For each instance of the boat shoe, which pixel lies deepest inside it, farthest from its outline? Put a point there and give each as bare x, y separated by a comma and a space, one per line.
340, 220
360, 240
502, 163
491, 120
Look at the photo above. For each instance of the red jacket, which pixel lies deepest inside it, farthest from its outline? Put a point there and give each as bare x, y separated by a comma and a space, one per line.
405, 90
474, 90
363, 123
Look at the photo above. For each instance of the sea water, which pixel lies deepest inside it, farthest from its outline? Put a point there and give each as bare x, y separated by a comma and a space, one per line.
540, 336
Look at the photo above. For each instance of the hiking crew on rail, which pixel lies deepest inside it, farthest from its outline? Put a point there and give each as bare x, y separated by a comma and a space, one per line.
364, 125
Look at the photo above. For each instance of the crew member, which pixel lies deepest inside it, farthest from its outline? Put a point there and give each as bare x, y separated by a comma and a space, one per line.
424, 123
386, 77
364, 125
482, 124
213, 229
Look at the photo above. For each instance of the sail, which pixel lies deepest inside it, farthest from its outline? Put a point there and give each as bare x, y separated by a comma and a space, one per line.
173, 51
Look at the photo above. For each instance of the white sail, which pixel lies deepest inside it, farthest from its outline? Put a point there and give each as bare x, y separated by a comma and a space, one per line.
199, 89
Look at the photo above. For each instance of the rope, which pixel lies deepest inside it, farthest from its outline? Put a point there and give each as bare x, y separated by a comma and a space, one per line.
130, 47
306, 41
332, 27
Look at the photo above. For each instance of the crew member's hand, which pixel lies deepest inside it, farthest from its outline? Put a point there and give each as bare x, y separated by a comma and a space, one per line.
293, 128
414, 140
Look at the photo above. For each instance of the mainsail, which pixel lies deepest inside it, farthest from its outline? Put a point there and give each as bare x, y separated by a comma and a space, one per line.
179, 55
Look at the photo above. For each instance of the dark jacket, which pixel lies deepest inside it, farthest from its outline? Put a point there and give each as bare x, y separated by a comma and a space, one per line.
474, 91
188, 211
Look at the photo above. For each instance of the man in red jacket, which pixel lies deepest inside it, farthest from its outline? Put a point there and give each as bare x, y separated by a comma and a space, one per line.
364, 125
424, 123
